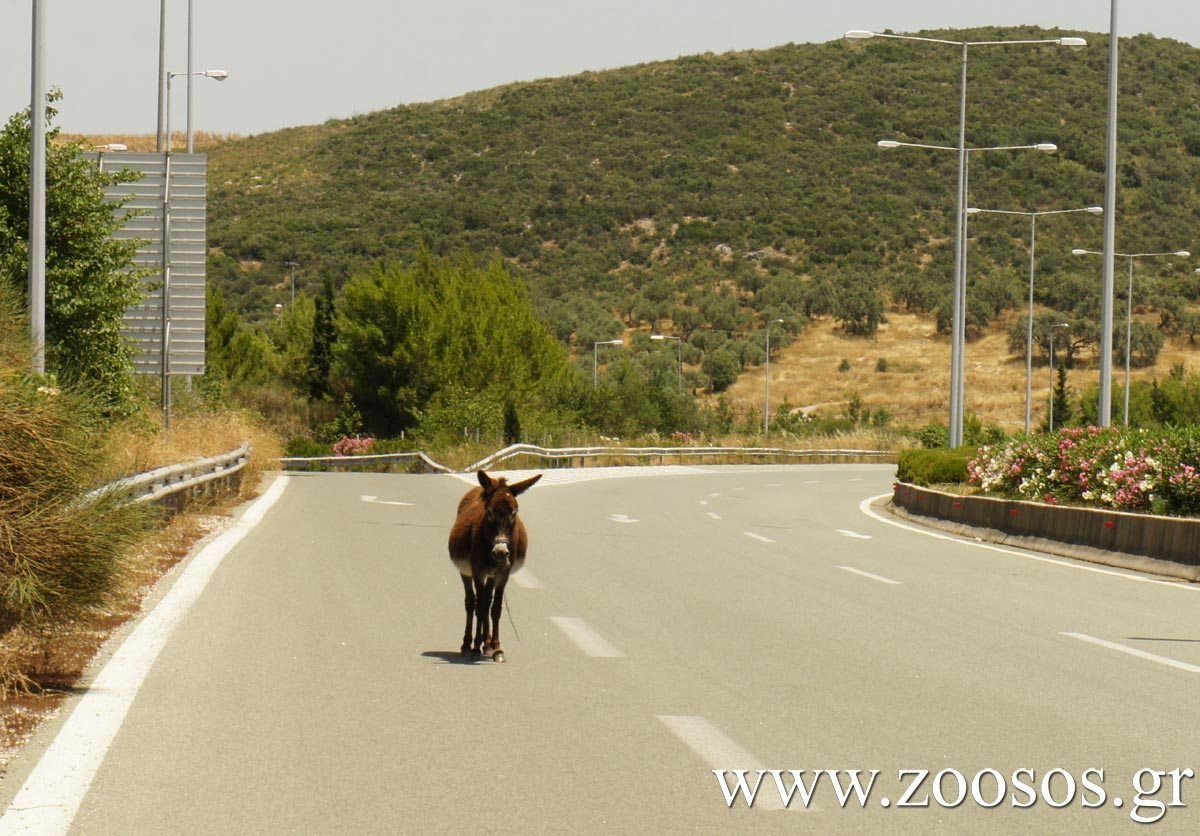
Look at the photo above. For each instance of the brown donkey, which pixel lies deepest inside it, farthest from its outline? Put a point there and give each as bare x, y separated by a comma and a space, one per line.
487, 544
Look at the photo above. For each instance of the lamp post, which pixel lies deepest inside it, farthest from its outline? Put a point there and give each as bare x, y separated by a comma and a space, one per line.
680, 341
37, 191
216, 75
1033, 217
1104, 401
959, 328
596, 361
292, 265
1128, 311
767, 383
958, 320
1052, 327
101, 149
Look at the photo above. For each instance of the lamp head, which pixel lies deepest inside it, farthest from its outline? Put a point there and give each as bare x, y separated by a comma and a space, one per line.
859, 35
1074, 43
1046, 147
1078, 251
888, 143
1096, 210
219, 75
973, 210
1183, 254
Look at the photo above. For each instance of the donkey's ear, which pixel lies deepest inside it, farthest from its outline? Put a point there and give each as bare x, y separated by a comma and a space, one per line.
521, 487
485, 481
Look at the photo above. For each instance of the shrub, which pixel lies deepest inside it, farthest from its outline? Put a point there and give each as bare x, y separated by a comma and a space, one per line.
881, 365
933, 436
934, 467
302, 447
844, 366
354, 445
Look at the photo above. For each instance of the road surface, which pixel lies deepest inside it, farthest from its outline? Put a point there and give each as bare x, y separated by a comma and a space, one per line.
670, 623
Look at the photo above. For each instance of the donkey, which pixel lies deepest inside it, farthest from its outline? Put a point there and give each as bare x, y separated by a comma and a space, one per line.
487, 543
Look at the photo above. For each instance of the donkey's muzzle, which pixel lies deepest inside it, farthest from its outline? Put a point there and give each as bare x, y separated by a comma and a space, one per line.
500, 550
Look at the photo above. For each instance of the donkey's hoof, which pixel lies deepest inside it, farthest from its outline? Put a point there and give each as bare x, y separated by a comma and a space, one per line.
476, 653
498, 656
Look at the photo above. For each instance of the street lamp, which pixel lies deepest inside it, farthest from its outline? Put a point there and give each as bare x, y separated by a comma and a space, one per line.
595, 360
293, 265
1033, 216
959, 328
101, 149
216, 75
767, 383
1052, 327
1128, 312
680, 341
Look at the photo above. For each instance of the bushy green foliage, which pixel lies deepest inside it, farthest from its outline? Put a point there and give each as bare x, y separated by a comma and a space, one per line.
89, 277
919, 466
408, 334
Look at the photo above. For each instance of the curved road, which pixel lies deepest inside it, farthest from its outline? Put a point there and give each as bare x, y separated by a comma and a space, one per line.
671, 621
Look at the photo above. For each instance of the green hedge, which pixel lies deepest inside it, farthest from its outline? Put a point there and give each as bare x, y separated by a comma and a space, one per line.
934, 467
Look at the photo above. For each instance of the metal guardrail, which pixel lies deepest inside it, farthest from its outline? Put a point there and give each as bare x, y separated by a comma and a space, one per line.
160, 483
351, 462
680, 452
581, 453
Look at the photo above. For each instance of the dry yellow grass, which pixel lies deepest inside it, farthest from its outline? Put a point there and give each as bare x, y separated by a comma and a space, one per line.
136, 447
916, 387
201, 140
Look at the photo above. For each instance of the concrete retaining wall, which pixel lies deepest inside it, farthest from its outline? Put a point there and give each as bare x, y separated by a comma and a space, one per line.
1163, 538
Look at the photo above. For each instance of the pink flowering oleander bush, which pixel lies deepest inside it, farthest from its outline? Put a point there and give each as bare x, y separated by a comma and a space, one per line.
1127, 470
353, 445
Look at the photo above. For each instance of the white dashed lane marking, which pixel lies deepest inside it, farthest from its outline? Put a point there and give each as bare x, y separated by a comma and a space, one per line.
714, 516
720, 752
1133, 651
873, 577
621, 518
758, 537
847, 533
379, 501
586, 638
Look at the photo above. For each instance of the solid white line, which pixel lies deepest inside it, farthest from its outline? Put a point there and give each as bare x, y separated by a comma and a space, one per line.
585, 638
714, 516
50, 797
719, 751
1133, 651
526, 579
865, 507
848, 533
879, 578
758, 537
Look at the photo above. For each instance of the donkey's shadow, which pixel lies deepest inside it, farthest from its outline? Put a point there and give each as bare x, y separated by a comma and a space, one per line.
455, 657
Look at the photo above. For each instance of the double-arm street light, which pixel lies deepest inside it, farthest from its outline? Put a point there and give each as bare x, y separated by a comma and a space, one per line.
596, 361
1050, 419
767, 382
1033, 218
1129, 308
680, 341
959, 317
959, 329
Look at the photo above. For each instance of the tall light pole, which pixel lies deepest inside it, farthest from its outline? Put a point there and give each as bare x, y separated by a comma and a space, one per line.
216, 75
1128, 309
1050, 420
960, 286
1033, 217
767, 383
680, 341
596, 360
190, 75
959, 316
292, 265
162, 73
37, 191
1104, 405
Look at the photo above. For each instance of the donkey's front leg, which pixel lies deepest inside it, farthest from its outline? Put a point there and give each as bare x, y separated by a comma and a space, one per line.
470, 605
483, 601
497, 606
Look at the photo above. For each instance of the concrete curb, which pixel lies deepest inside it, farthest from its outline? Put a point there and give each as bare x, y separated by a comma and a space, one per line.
1091, 554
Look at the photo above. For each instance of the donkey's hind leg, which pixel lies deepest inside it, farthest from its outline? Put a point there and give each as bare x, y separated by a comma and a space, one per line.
493, 646
483, 602
470, 604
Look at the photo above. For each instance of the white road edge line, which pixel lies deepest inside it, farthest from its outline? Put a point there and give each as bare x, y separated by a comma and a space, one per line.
714, 516
758, 537
379, 501
51, 795
1133, 651
526, 579
848, 533
873, 577
585, 638
717, 750
865, 507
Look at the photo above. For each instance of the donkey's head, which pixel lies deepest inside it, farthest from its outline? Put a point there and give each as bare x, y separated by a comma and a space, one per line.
500, 504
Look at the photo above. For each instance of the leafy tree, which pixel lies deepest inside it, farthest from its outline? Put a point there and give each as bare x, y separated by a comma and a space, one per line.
89, 277
722, 368
1063, 413
512, 423
324, 335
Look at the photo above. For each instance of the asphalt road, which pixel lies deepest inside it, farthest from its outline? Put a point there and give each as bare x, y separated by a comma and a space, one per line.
669, 623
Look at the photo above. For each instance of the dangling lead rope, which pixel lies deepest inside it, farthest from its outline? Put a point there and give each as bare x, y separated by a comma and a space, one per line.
508, 609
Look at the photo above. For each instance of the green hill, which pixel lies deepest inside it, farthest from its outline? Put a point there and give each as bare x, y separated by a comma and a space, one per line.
719, 190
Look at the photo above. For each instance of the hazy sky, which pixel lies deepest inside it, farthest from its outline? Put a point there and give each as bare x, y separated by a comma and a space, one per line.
303, 61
